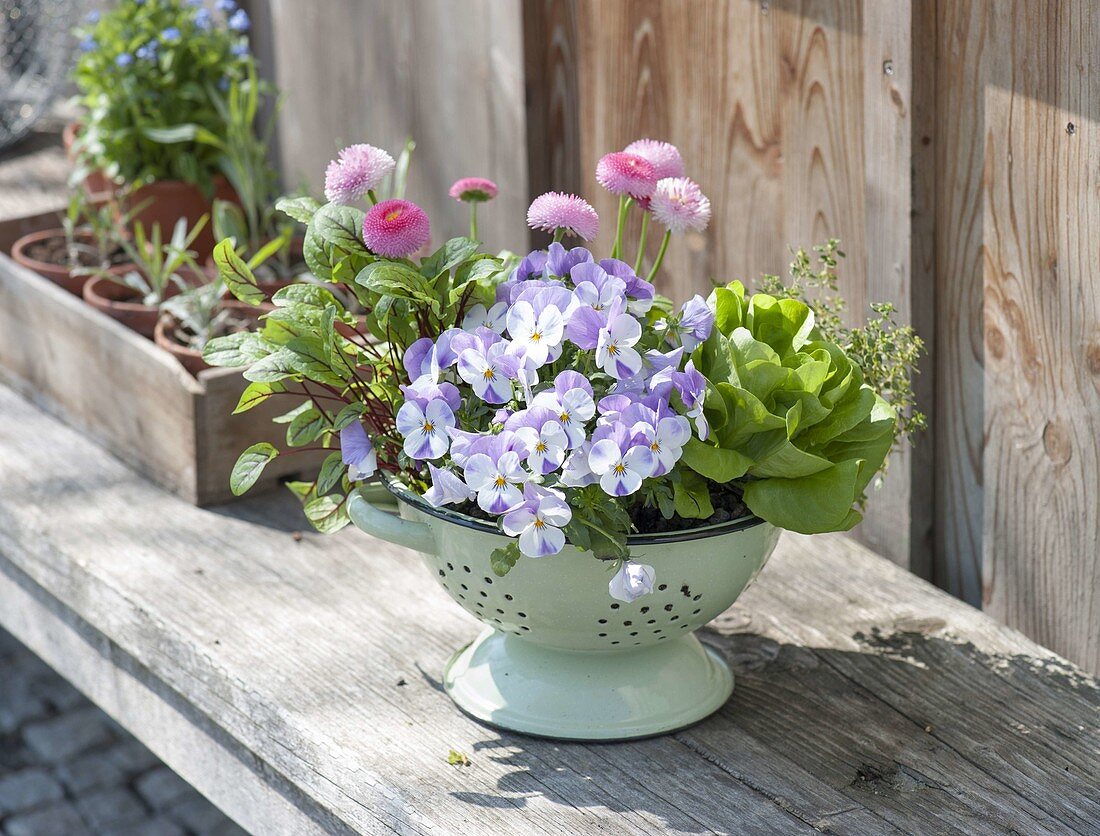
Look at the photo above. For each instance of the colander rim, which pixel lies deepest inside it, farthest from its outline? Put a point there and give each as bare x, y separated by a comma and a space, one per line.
407, 496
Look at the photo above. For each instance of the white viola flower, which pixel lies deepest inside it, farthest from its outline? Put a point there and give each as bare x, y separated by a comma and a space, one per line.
615, 353
574, 408
538, 523
546, 444
495, 480
576, 473
447, 488
621, 468
481, 317
537, 333
425, 430
632, 581
489, 372
666, 440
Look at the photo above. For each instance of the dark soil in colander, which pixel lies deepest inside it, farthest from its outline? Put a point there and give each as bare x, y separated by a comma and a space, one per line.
727, 502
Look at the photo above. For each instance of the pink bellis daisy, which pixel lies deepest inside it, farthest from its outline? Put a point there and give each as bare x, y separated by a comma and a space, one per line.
396, 228
555, 211
679, 204
626, 174
473, 190
663, 156
357, 170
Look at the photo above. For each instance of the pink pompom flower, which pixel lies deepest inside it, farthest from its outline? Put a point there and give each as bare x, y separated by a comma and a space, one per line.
473, 190
626, 174
679, 204
556, 210
357, 170
663, 156
396, 228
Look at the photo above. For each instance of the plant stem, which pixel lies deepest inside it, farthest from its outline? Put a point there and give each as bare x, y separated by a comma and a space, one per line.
660, 256
473, 220
641, 243
624, 207
559, 233
373, 197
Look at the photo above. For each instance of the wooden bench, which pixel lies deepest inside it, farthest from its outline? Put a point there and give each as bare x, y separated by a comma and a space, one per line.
293, 679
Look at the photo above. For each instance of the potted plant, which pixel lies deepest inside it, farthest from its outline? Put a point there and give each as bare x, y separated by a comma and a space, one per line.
194, 316
157, 271
148, 74
590, 470
85, 242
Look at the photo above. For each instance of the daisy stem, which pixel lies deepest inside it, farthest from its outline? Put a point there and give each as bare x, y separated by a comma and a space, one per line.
641, 243
660, 256
373, 197
473, 221
559, 233
624, 207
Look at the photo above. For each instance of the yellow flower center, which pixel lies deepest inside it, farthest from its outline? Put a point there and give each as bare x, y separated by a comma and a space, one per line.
393, 214
536, 336
620, 469
612, 349
488, 374
539, 523
540, 447
500, 482
564, 417
428, 427
655, 447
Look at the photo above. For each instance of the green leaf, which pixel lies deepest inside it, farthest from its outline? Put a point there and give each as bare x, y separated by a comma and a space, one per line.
309, 295
348, 415
332, 470
809, 505
250, 466
236, 274
310, 357
255, 394
503, 559
729, 308
450, 255
275, 366
328, 514
691, 497
290, 415
715, 463
305, 428
228, 350
183, 133
339, 226
302, 209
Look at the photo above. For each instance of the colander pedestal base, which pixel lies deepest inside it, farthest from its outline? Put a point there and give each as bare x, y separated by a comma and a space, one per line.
514, 684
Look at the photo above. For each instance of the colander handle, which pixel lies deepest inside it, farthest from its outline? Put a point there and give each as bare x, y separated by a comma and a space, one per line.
388, 526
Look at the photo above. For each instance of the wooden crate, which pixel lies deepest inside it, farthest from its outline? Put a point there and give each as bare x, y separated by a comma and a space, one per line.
123, 391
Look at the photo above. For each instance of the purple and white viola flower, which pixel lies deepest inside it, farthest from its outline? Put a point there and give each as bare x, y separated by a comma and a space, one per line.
489, 372
595, 287
632, 581
357, 452
696, 322
492, 318
666, 438
659, 368
620, 463
615, 352
536, 333
495, 477
447, 488
573, 409
640, 292
425, 429
560, 261
545, 438
576, 473
421, 359
692, 388
538, 522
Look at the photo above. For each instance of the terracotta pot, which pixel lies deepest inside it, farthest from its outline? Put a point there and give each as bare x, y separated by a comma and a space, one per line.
120, 302
170, 200
57, 273
96, 184
188, 357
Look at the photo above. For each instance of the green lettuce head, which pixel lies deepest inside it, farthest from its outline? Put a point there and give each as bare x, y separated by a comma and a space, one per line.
790, 416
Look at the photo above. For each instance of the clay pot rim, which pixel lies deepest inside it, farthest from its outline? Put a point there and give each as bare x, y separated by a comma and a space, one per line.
19, 247
135, 307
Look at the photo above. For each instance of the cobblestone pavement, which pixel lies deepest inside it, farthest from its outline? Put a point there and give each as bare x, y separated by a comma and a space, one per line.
67, 769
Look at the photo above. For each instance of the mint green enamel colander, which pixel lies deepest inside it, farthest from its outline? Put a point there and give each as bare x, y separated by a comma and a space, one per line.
559, 656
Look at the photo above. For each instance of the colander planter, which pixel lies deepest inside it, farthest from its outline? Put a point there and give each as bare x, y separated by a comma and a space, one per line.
559, 657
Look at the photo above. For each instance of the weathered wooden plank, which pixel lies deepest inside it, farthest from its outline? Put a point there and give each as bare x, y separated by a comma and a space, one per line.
962, 54
1041, 535
448, 75
315, 662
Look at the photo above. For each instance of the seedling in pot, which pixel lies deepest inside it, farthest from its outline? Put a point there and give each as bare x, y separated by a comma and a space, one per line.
159, 266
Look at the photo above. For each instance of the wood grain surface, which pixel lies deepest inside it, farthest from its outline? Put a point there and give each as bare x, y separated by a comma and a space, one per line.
866, 702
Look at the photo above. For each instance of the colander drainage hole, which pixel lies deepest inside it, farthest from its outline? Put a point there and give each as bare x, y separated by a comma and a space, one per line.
651, 621
602, 621
696, 612
661, 637
602, 635
464, 587
442, 574
500, 612
614, 642
644, 610
522, 614
466, 569
628, 623
507, 597
525, 628
663, 587
451, 566
614, 606
489, 581
480, 605
483, 593
634, 633
675, 618
697, 597
668, 607
657, 631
